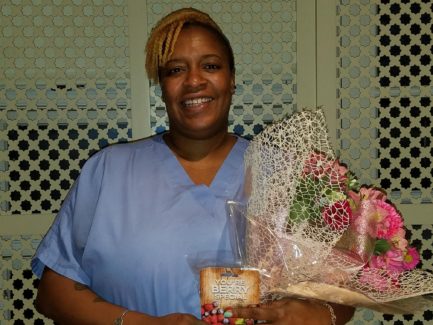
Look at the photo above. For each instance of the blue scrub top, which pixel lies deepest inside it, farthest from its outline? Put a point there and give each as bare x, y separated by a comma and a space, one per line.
134, 227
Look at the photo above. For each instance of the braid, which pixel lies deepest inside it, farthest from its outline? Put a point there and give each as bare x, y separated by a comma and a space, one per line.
174, 33
163, 37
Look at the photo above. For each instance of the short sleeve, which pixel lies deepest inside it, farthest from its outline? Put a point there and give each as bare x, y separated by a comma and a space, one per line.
62, 247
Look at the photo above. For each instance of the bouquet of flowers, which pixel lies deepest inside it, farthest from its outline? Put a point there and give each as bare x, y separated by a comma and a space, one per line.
313, 231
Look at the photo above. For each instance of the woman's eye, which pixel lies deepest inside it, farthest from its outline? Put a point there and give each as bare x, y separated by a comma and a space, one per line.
172, 71
211, 66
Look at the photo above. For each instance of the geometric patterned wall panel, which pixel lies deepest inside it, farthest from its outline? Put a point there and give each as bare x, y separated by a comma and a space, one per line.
358, 92
18, 284
64, 93
386, 111
406, 108
263, 37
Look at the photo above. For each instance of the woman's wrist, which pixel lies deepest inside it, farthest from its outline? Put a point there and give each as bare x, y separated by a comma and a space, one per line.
119, 320
331, 312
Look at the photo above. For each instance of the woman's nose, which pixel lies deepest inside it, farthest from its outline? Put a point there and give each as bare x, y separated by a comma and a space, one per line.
194, 78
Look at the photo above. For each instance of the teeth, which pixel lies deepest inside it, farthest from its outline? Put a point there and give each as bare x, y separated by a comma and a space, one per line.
196, 101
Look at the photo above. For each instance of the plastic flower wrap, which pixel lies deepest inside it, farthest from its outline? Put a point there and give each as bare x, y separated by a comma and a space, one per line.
314, 232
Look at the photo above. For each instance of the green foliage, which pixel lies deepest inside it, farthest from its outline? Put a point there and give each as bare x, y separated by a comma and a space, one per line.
381, 247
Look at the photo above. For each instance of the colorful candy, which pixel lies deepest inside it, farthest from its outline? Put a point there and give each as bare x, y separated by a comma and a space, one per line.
215, 315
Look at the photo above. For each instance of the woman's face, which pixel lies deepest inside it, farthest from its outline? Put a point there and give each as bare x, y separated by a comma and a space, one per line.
197, 84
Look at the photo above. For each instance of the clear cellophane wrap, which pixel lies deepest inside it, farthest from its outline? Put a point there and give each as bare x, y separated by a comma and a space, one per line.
303, 255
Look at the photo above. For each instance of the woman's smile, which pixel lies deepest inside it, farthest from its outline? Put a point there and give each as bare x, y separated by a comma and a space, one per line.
196, 101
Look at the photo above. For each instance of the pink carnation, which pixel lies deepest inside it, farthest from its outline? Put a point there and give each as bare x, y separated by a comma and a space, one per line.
388, 221
377, 262
411, 258
392, 260
399, 241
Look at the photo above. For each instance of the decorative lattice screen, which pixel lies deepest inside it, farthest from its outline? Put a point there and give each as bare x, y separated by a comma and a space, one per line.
405, 105
359, 89
64, 93
386, 112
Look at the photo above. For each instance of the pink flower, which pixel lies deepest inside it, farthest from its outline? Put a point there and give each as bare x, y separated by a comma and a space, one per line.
392, 260
338, 174
377, 262
338, 215
411, 258
365, 194
371, 193
399, 241
379, 218
354, 199
388, 220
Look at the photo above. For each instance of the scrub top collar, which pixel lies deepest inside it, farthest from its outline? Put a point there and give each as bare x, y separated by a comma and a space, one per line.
231, 168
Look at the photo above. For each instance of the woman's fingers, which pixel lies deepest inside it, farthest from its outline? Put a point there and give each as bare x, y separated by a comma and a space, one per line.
256, 313
286, 311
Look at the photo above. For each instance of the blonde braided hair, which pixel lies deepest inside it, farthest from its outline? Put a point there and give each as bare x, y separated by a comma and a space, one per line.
163, 37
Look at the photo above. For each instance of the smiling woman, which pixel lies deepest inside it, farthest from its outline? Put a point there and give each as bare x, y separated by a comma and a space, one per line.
138, 210
118, 249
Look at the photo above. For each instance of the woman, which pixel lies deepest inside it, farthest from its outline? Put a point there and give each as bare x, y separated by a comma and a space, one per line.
120, 249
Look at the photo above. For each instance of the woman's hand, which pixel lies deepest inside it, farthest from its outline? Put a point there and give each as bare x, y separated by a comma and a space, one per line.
290, 311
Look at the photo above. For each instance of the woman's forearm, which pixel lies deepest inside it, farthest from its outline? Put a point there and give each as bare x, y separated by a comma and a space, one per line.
68, 302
